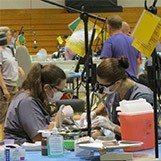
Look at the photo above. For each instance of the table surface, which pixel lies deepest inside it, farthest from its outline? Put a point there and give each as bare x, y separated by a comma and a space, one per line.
66, 65
36, 156
70, 156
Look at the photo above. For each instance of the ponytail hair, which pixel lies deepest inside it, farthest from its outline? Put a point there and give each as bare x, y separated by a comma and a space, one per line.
33, 81
40, 75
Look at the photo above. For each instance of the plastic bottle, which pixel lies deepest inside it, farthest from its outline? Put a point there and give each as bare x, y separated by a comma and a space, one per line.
44, 142
55, 144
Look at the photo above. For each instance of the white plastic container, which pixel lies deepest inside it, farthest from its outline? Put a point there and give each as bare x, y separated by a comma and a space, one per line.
135, 106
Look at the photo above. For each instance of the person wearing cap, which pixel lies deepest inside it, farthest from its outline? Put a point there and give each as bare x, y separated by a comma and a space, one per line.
9, 72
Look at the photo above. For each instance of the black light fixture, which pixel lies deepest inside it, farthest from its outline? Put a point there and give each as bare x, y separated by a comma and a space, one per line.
94, 5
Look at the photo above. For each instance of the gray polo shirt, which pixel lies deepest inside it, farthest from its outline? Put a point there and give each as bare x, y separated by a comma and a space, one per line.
25, 117
9, 66
134, 93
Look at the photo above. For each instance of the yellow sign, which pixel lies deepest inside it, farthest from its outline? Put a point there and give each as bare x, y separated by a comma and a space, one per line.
147, 33
60, 40
145, 49
76, 41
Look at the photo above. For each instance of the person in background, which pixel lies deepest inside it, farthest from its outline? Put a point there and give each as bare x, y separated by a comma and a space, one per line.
9, 54
126, 28
14, 36
63, 50
30, 110
120, 44
68, 53
111, 74
9, 73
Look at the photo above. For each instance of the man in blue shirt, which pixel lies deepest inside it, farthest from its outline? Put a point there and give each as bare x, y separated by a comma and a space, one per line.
120, 45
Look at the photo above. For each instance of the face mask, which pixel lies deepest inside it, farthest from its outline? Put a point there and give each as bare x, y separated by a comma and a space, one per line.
56, 96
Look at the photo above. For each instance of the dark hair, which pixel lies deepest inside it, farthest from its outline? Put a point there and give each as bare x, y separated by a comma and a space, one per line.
113, 69
65, 36
115, 22
40, 75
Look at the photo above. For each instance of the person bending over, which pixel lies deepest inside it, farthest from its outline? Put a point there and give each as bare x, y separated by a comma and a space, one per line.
112, 76
29, 111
